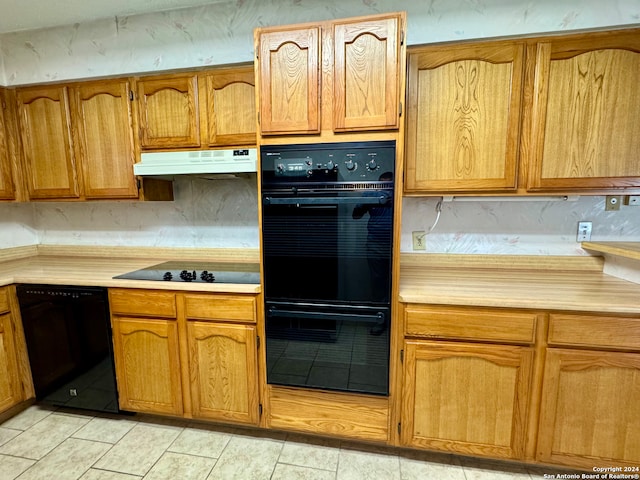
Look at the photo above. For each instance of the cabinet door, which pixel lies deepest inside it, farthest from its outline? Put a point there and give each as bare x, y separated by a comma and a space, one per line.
231, 107
466, 398
463, 118
10, 387
147, 362
46, 138
7, 191
223, 371
586, 105
366, 74
104, 138
590, 413
168, 112
289, 68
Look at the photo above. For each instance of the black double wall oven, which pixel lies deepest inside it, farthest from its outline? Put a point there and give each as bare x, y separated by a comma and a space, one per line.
327, 232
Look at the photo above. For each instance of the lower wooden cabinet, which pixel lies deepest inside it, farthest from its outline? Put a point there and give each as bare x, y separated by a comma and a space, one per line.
186, 354
147, 358
223, 371
466, 398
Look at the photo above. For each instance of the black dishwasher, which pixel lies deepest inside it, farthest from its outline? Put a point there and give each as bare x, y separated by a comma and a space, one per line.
68, 336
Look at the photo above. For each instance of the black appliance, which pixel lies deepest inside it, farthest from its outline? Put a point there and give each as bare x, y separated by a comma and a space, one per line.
327, 231
68, 336
198, 272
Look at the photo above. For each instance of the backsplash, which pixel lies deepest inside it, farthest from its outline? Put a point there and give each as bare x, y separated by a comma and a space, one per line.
17, 225
222, 32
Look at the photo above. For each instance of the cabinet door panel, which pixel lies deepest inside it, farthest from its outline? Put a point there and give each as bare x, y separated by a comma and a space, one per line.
289, 66
10, 393
147, 365
590, 413
231, 107
464, 118
46, 137
586, 105
223, 371
7, 191
168, 112
366, 74
105, 139
466, 398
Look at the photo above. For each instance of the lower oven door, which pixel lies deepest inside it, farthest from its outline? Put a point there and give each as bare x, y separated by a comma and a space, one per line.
329, 347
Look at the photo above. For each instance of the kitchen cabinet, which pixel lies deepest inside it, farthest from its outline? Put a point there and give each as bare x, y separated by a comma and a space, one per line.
7, 189
49, 159
168, 111
104, 143
467, 377
584, 133
463, 118
10, 386
590, 414
223, 362
229, 109
353, 66
78, 140
146, 351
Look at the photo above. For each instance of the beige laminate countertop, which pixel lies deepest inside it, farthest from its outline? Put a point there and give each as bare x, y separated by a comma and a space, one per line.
98, 271
537, 286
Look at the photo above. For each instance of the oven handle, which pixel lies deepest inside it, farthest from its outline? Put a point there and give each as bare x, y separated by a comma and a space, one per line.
379, 200
374, 318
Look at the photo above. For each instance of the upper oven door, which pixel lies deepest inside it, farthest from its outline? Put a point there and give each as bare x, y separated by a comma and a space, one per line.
328, 248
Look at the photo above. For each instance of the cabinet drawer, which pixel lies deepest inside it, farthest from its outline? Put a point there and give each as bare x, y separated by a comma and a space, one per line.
594, 331
220, 307
470, 323
4, 300
142, 303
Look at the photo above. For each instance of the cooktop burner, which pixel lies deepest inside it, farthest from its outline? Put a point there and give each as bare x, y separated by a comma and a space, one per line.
197, 272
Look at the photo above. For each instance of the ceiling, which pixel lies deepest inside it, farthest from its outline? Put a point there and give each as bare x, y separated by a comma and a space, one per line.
18, 15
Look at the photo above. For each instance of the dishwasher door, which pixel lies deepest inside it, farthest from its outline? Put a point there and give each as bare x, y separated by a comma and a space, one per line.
68, 335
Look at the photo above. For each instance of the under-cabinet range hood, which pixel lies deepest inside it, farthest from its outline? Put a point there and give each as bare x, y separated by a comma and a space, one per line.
197, 162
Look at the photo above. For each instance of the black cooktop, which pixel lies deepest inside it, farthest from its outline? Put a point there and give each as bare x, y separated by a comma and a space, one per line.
197, 272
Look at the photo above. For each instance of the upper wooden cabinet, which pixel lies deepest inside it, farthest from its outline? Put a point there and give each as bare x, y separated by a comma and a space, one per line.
168, 111
367, 73
289, 69
7, 189
49, 159
585, 132
463, 118
104, 143
229, 106
341, 75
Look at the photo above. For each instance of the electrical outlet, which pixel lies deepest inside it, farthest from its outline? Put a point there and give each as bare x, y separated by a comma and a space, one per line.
584, 232
613, 202
632, 200
419, 240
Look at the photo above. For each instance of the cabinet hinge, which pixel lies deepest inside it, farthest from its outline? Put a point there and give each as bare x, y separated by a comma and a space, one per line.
402, 37
401, 356
258, 118
399, 428
258, 341
138, 183
131, 95
400, 109
260, 409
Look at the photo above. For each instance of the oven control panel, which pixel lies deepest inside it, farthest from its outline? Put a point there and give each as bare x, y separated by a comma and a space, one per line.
328, 162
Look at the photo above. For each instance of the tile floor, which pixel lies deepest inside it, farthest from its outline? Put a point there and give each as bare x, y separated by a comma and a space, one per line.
54, 444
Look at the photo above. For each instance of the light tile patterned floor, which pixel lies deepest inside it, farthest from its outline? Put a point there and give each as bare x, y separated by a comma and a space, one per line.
44, 443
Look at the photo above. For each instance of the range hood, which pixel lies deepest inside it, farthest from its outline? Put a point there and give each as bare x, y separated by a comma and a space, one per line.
197, 162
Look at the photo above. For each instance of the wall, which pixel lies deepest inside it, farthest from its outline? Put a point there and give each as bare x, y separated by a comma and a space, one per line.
224, 213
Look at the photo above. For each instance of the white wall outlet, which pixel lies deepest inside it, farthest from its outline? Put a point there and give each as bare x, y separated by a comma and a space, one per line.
584, 232
419, 240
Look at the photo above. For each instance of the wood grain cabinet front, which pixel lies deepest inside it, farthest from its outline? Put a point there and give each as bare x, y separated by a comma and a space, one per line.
463, 119
7, 187
585, 133
10, 386
338, 76
590, 414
